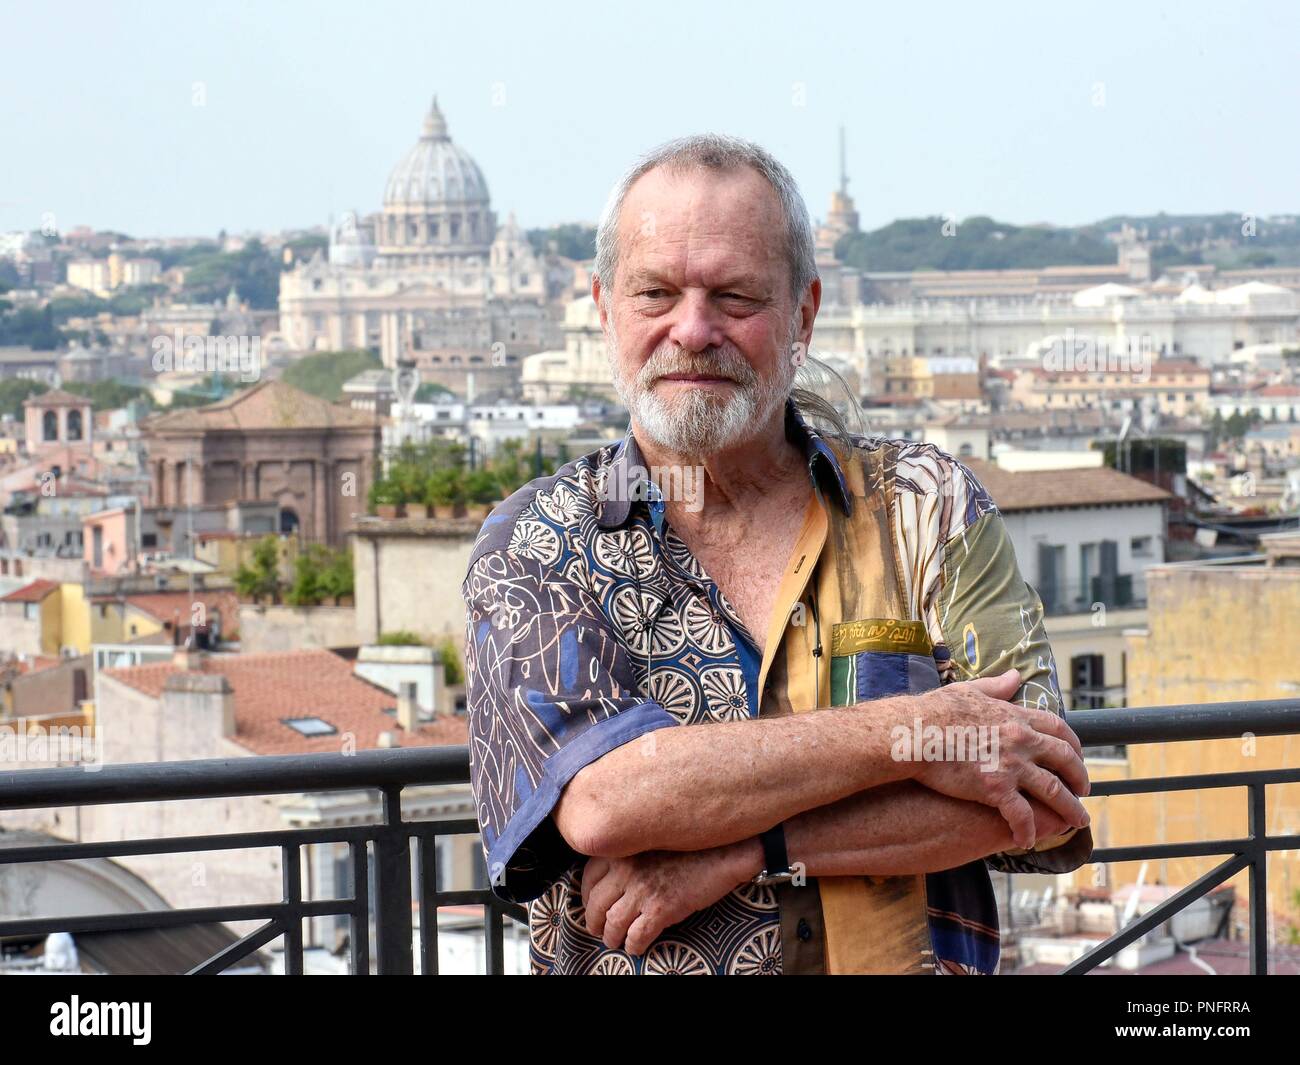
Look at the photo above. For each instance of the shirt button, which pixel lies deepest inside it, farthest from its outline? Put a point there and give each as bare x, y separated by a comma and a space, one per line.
802, 930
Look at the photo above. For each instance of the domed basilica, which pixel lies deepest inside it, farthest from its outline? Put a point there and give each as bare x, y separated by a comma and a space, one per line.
430, 277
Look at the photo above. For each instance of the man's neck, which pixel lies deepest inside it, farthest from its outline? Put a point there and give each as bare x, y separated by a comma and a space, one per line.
765, 467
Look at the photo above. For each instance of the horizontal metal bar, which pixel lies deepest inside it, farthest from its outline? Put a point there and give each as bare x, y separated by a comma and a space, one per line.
1203, 721
208, 778
122, 848
377, 769
1147, 785
141, 919
1209, 849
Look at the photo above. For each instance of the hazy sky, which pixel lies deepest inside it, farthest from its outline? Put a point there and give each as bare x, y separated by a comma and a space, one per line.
1026, 112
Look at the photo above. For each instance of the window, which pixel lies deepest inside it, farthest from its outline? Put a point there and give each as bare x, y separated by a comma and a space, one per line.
31, 611
74, 425
1087, 682
309, 726
50, 426
1087, 568
1141, 546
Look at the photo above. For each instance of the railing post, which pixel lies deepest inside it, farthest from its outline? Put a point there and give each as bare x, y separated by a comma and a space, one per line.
360, 865
393, 890
1258, 882
291, 861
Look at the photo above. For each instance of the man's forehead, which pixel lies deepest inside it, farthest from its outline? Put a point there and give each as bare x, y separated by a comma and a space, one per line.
680, 193
714, 216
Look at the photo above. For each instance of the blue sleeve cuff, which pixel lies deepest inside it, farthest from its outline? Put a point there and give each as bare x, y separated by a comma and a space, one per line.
516, 881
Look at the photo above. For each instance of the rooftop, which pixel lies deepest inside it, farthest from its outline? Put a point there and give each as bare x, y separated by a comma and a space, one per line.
270, 688
1052, 489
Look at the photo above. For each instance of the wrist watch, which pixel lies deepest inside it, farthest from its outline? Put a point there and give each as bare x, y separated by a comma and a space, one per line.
776, 863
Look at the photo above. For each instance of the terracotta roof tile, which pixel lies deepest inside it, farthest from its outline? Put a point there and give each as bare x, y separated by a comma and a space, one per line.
309, 683
169, 606
1046, 489
31, 593
266, 405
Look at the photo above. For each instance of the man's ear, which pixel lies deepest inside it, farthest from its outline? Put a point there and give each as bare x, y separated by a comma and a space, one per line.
600, 306
812, 302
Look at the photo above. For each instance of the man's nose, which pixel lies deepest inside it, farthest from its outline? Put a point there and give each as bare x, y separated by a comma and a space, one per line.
696, 323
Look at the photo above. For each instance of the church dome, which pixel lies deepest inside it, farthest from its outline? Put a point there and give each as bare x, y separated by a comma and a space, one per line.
436, 172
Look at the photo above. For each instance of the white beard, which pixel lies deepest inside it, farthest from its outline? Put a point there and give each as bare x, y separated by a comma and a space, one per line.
699, 423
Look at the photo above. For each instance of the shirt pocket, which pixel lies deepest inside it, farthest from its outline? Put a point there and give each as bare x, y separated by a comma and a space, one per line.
876, 657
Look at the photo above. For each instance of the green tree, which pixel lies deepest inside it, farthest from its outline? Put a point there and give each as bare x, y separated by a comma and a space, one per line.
572, 240
262, 578
452, 664
12, 393
325, 373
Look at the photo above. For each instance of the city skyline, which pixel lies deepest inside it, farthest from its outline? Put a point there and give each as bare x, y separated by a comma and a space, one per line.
301, 121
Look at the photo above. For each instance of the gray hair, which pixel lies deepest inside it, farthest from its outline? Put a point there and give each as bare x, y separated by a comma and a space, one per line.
827, 403
714, 151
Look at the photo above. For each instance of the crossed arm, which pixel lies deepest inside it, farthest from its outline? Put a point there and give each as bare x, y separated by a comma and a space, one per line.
673, 838
668, 816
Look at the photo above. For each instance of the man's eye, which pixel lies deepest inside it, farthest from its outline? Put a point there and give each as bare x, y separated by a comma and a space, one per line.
653, 293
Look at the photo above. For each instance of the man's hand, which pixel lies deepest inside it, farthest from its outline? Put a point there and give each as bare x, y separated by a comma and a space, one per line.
630, 901
1038, 755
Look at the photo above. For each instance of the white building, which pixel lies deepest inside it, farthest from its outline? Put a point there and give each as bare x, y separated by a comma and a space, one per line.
430, 277
1083, 538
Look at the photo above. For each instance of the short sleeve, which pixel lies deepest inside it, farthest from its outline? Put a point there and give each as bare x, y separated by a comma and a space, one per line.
550, 690
991, 621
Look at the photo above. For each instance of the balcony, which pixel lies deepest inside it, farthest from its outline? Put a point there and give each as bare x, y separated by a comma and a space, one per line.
1122, 591
399, 915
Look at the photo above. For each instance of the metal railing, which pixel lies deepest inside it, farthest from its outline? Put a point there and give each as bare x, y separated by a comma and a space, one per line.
1208, 721
388, 771
385, 771
1121, 591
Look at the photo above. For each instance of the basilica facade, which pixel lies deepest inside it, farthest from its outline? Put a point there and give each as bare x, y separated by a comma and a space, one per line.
431, 277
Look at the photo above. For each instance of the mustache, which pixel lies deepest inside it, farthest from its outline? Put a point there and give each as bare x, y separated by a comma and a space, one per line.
723, 362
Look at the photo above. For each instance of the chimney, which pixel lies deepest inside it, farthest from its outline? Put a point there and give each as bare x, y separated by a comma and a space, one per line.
407, 707
188, 659
441, 703
197, 709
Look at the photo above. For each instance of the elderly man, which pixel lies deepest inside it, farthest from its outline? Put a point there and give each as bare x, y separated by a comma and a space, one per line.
716, 671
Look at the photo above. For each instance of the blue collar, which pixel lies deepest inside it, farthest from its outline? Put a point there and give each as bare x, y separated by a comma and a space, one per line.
628, 479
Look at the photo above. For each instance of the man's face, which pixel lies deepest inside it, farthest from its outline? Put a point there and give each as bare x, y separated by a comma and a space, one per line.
700, 320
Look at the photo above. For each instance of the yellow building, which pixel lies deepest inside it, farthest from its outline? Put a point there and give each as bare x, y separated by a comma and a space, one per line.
1179, 388
226, 552
1215, 633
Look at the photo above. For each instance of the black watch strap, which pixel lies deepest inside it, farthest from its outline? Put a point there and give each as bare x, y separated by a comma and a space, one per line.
776, 861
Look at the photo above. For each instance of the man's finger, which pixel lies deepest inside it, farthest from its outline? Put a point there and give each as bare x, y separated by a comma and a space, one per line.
1003, 686
591, 876
643, 932
603, 896
1054, 725
1019, 816
1059, 757
1050, 790
618, 919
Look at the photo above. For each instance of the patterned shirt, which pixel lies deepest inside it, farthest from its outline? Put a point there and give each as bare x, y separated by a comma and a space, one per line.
590, 623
